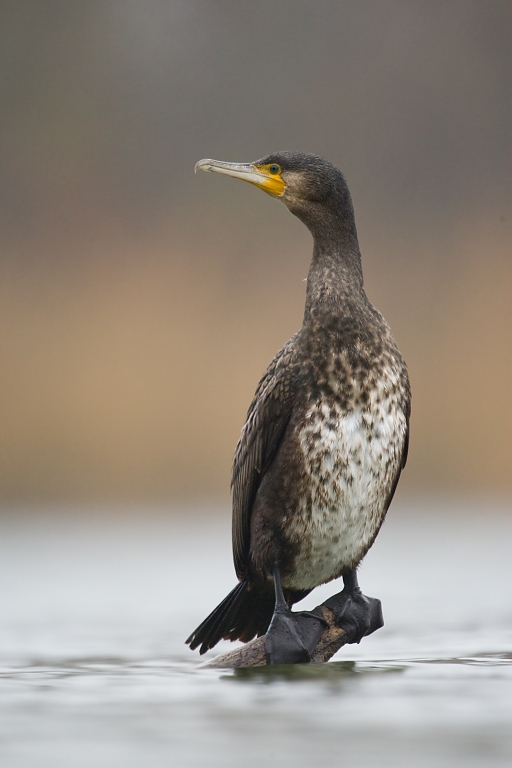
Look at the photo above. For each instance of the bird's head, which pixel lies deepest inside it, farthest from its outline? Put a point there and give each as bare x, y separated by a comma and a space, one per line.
311, 187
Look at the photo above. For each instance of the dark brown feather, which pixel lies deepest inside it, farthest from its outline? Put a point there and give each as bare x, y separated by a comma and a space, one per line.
268, 415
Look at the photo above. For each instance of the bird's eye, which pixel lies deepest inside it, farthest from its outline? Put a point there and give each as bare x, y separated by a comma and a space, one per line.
274, 168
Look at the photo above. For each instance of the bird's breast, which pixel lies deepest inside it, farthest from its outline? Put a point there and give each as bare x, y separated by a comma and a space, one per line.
351, 456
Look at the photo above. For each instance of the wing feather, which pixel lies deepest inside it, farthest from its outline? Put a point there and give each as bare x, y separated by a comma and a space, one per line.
267, 418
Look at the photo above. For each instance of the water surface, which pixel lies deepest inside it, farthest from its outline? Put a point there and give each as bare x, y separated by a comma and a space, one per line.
96, 605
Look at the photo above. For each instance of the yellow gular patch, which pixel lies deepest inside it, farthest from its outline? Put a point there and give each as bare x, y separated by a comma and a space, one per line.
270, 182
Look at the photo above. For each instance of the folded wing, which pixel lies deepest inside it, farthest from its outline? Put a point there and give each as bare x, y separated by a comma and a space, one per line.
267, 418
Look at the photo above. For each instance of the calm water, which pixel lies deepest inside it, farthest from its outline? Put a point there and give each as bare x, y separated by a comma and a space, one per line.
96, 605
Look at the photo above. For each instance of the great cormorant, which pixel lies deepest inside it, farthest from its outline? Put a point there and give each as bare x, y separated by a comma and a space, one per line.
325, 439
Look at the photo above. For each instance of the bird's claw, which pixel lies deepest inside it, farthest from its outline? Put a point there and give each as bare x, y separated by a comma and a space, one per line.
356, 614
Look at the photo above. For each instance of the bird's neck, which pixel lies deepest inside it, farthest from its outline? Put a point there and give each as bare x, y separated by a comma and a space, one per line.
335, 279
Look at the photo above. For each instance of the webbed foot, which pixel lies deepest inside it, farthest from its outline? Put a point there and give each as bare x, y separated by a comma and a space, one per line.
355, 613
291, 637
283, 643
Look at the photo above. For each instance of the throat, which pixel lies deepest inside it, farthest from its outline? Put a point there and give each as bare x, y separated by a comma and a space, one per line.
335, 279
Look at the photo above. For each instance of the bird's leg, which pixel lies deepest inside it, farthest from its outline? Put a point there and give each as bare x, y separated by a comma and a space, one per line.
291, 637
355, 613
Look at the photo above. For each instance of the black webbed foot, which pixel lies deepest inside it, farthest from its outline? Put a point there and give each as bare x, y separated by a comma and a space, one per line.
291, 637
310, 625
355, 613
283, 643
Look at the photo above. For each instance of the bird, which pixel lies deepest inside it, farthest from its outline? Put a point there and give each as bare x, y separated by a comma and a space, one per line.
325, 439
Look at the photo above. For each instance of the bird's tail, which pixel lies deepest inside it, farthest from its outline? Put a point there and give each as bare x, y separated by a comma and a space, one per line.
242, 615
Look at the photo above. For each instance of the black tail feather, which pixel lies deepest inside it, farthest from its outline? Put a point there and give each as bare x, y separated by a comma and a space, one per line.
242, 615
215, 625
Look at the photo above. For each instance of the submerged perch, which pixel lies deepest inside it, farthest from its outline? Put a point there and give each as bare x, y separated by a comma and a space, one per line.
252, 654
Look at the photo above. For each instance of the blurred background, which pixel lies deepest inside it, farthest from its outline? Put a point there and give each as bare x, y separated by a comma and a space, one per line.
140, 304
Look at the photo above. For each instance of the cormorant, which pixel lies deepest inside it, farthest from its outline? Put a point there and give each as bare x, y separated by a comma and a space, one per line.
325, 439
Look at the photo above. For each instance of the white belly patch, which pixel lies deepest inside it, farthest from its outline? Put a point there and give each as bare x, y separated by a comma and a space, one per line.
351, 458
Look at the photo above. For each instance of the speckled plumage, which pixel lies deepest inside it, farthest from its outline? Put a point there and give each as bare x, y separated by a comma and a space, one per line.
326, 434
323, 498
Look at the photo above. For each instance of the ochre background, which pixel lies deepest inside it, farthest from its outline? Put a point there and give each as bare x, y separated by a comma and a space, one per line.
139, 304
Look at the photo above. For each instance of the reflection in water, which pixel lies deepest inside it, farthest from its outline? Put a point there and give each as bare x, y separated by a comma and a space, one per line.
332, 672
95, 671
